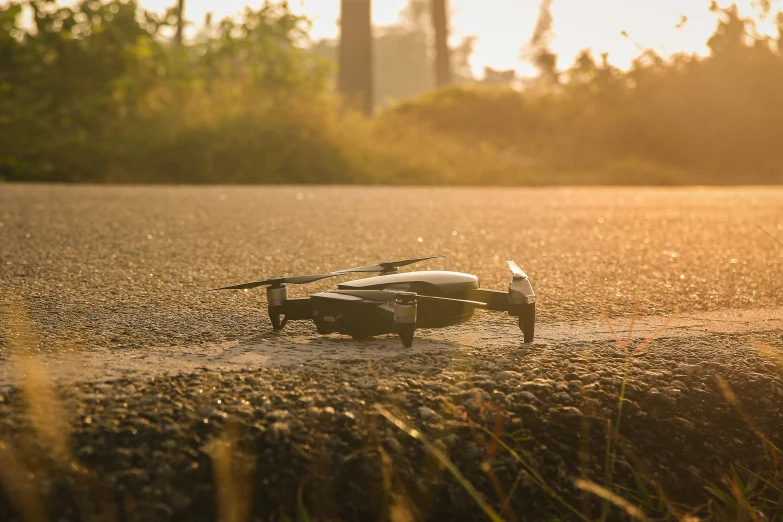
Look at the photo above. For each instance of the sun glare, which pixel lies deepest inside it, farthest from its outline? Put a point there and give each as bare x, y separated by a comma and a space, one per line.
621, 28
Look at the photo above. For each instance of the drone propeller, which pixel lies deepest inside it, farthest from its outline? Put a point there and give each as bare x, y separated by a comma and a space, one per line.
277, 281
519, 290
385, 296
383, 267
516, 270
389, 266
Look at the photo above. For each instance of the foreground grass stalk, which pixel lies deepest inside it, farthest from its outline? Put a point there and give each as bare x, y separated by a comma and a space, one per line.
635, 512
776, 240
536, 477
233, 476
20, 486
30, 468
613, 442
443, 459
772, 450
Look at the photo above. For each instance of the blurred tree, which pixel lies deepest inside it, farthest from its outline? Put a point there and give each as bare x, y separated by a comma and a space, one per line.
356, 54
440, 25
73, 83
180, 20
92, 91
403, 56
462, 71
496, 77
717, 118
538, 50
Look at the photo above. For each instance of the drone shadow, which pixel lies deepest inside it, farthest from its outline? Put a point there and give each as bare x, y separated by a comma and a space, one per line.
293, 348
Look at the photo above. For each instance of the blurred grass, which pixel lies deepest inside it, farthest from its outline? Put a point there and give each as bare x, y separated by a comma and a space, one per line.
257, 137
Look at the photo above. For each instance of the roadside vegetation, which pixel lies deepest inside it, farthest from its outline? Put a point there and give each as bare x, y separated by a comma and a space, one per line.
42, 471
97, 92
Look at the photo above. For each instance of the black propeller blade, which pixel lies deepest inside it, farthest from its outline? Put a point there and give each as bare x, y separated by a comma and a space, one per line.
385, 266
274, 281
388, 266
383, 296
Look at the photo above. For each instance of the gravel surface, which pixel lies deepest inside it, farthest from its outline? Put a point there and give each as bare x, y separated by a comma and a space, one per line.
119, 270
126, 266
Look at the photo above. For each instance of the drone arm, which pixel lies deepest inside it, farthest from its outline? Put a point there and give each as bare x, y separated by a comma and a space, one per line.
496, 300
290, 310
298, 309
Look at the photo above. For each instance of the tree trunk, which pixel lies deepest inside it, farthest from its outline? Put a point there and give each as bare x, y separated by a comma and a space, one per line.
355, 54
180, 21
440, 23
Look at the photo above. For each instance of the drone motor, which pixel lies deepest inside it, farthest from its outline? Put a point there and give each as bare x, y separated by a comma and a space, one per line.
276, 295
405, 308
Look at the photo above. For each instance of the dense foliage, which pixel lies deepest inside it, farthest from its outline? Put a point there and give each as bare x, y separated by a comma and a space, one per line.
687, 119
92, 92
98, 91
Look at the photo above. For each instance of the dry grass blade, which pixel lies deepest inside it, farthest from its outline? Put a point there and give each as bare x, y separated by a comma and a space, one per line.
43, 405
653, 336
640, 467
591, 487
45, 411
617, 338
776, 240
535, 476
399, 511
768, 353
22, 468
634, 315
777, 485
443, 459
613, 433
233, 475
19, 486
738, 492
507, 502
731, 397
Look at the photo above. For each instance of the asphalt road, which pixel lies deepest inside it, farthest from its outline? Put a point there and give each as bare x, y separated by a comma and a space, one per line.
103, 285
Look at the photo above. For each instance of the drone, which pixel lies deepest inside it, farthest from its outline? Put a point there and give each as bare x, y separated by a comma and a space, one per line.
394, 302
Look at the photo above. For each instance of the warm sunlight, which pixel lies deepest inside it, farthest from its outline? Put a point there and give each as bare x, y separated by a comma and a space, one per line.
577, 24
391, 260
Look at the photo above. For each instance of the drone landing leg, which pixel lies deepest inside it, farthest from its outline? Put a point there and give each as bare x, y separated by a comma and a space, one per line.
527, 321
278, 318
290, 310
498, 301
405, 332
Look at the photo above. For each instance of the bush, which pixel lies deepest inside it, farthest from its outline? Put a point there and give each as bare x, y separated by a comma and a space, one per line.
94, 93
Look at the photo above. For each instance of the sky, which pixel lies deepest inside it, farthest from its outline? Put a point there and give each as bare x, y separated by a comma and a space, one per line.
503, 27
